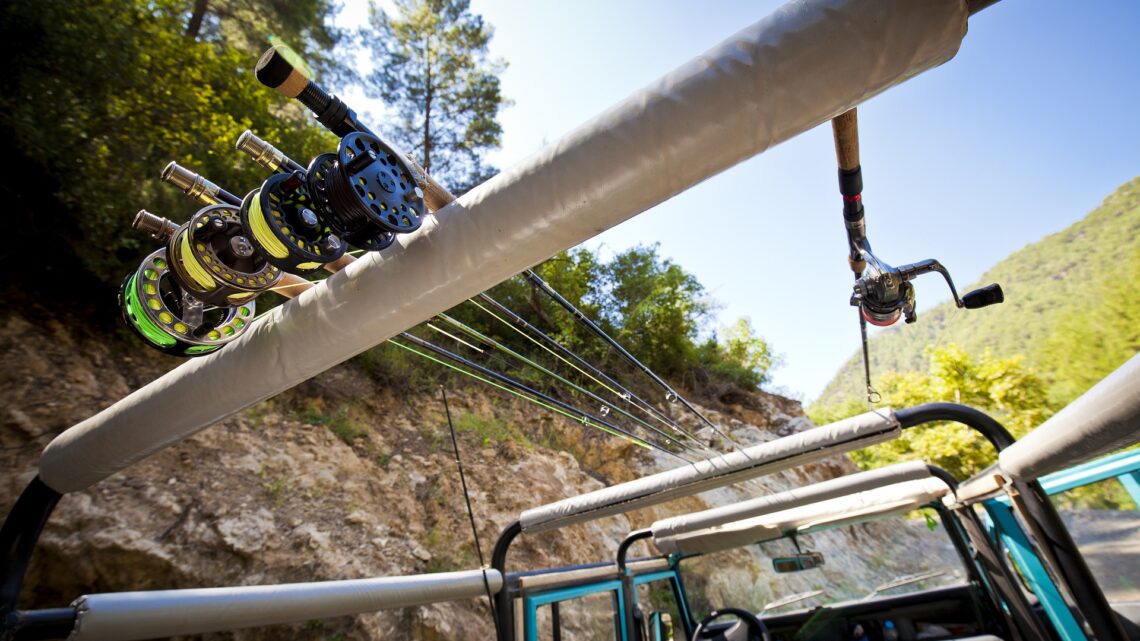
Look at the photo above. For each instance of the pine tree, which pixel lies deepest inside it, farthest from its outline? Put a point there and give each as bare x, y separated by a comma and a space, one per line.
435, 74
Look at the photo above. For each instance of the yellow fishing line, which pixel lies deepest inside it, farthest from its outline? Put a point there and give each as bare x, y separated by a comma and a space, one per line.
261, 231
195, 269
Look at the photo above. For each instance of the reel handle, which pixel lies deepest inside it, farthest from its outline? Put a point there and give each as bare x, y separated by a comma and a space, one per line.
281, 69
983, 297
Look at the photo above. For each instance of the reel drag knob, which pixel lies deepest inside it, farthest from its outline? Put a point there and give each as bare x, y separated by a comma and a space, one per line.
371, 189
214, 260
170, 319
283, 222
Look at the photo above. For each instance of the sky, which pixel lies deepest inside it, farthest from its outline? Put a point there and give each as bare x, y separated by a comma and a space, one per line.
1021, 134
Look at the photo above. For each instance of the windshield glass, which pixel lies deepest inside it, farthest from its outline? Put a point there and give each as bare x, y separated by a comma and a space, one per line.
881, 558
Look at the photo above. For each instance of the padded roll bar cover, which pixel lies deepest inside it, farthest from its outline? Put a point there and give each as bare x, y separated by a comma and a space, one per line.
1104, 419
979, 487
783, 453
123, 616
887, 500
795, 69
814, 493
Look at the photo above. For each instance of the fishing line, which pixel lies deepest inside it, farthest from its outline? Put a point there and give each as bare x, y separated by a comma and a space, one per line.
470, 512
706, 453
454, 337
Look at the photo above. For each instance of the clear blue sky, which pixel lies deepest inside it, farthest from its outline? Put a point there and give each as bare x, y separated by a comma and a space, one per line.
1021, 134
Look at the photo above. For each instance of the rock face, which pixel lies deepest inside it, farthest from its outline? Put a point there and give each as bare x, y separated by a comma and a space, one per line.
342, 479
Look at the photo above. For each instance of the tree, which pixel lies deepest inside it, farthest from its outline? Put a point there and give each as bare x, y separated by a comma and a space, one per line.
435, 74
744, 356
1004, 387
1090, 341
95, 102
251, 25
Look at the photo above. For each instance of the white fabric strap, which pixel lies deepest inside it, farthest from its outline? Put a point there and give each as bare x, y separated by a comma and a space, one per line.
848, 510
1104, 419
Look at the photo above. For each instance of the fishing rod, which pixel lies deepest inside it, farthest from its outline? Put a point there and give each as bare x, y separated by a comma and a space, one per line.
605, 407
882, 293
583, 417
196, 293
598, 376
670, 393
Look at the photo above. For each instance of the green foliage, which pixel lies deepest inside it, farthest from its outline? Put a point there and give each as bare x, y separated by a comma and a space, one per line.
1006, 388
338, 423
434, 72
1091, 341
96, 100
1108, 494
740, 356
1072, 308
490, 430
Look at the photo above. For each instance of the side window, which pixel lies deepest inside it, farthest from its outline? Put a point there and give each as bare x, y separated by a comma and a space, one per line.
1103, 519
658, 604
591, 617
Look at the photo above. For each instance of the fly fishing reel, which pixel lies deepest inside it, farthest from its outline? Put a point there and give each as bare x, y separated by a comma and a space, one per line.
370, 188
214, 260
285, 224
169, 318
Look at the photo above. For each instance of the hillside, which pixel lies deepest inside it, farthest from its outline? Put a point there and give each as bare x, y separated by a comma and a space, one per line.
1052, 287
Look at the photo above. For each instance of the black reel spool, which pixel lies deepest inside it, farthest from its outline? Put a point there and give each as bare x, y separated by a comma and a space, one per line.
170, 319
284, 222
367, 237
213, 259
371, 190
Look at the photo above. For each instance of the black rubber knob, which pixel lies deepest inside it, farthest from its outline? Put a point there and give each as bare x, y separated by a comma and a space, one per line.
272, 68
983, 297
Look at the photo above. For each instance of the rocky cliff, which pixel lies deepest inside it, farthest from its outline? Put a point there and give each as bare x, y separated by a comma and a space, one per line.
341, 478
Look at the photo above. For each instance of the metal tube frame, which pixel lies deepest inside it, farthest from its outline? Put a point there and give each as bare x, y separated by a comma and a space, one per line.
1055, 539
25, 522
18, 538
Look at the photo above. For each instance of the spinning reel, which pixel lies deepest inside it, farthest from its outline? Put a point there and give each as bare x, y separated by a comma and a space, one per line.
883, 293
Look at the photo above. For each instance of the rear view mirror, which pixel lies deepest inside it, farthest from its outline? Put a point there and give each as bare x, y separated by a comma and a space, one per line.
797, 563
